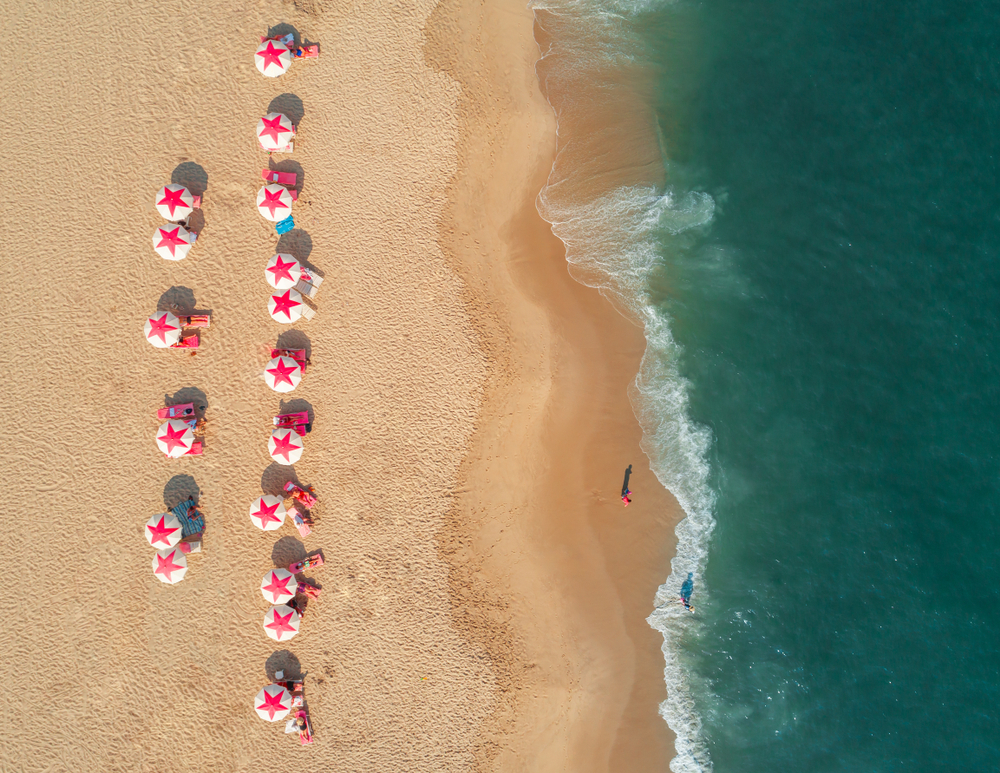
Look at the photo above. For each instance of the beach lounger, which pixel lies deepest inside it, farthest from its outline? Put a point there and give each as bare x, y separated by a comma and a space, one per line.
195, 450
288, 39
297, 421
306, 496
306, 737
300, 523
281, 178
185, 411
196, 202
309, 590
308, 312
309, 562
311, 277
308, 52
284, 226
305, 288
299, 355
194, 546
188, 342
195, 320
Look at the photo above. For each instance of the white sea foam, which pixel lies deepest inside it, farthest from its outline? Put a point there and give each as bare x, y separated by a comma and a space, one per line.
612, 241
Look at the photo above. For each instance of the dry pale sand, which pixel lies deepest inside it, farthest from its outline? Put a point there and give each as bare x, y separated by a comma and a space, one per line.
477, 614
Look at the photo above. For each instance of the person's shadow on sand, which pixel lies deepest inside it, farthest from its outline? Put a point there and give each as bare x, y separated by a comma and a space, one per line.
628, 474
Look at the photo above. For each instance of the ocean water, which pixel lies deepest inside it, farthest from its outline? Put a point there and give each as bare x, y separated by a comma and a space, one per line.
800, 200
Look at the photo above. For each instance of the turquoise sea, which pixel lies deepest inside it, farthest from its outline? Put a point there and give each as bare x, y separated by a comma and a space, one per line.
809, 229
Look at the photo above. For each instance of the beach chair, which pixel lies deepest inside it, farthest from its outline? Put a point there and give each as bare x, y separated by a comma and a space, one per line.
299, 355
306, 496
188, 342
301, 524
185, 411
308, 312
306, 737
308, 52
288, 40
196, 202
281, 178
284, 226
306, 289
308, 589
194, 320
309, 562
193, 546
195, 450
297, 421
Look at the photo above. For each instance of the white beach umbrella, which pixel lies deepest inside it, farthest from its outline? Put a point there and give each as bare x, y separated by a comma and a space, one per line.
282, 271
278, 586
175, 438
162, 330
274, 131
286, 307
163, 531
285, 446
274, 202
272, 58
283, 374
281, 623
273, 703
172, 242
170, 565
174, 202
267, 512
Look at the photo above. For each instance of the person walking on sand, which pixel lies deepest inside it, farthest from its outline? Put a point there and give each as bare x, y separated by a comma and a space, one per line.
625, 489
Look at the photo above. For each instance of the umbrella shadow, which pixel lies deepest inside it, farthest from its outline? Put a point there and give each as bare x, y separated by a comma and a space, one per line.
275, 477
286, 662
180, 488
290, 105
294, 339
189, 395
180, 299
289, 166
192, 176
298, 244
298, 406
286, 551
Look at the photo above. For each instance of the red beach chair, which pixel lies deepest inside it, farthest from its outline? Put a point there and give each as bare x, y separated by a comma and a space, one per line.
188, 342
306, 737
195, 449
309, 590
185, 411
194, 320
299, 355
297, 421
306, 496
281, 178
301, 524
308, 52
309, 562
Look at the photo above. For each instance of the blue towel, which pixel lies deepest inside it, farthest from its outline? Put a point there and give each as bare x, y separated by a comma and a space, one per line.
189, 524
284, 226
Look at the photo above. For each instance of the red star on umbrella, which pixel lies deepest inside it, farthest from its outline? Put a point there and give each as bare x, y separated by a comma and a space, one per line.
284, 446
273, 128
283, 304
278, 587
166, 565
159, 327
173, 200
282, 372
266, 513
160, 531
272, 54
272, 201
281, 624
171, 239
272, 703
280, 269
173, 438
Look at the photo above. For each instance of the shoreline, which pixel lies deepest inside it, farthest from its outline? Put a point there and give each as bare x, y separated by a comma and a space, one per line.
544, 576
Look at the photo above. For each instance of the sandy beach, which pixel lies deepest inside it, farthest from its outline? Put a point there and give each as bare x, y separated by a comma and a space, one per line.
485, 592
